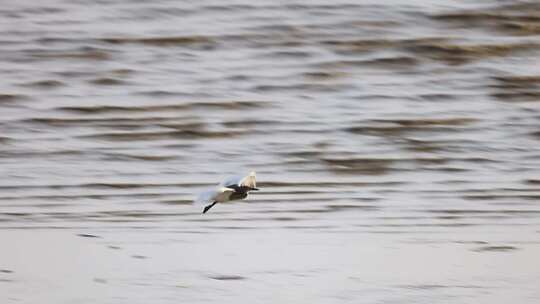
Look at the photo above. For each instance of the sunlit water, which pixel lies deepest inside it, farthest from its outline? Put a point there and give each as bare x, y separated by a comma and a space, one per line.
396, 147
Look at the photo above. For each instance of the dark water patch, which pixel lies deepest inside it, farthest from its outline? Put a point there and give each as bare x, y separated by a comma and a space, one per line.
393, 127
163, 93
107, 81
535, 134
424, 145
17, 214
456, 54
308, 154
227, 277
378, 130
99, 280
359, 46
517, 88
517, 96
363, 46
518, 82
50, 40
353, 64
302, 87
516, 19
6, 271
139, 257
352, 207
444, 160
323, 6
285, 219
449, 217
122, 72
111, 122
490, 197
501, 248
426, 122
437, 97
71, 74
315, 227
163, 135
532, 181
521, 27
44, 84
300, 55
85, 53
39, 154
183, 126
42, 10
86, 235
369, 166
324, 75
9, 98
378, 166
185, 41
250, 123
449, 169
176, 202
230, 105
130, 157
399, 62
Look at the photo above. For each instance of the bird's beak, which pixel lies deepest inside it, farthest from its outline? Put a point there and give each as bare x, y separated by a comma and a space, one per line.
256, 189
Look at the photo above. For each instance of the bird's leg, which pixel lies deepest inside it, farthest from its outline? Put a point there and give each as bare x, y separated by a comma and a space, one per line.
208, 207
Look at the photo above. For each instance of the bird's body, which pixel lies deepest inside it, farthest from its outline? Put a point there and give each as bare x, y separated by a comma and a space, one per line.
235, 188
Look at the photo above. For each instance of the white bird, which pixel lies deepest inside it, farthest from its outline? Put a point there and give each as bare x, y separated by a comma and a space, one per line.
233, 188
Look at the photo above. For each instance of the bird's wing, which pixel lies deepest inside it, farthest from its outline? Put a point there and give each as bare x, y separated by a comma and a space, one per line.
207, 196
215, 194
231, 181
249, 181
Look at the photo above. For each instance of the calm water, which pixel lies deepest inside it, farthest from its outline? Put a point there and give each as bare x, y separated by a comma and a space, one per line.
396, 145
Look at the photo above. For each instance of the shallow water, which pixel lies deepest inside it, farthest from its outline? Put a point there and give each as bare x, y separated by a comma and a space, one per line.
396, 147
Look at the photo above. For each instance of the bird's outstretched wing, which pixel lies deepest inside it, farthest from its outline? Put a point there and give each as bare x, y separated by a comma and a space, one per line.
248, 181
219, 194
206, 197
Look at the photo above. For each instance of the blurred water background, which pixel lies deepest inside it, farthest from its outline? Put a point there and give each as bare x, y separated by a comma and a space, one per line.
396, 145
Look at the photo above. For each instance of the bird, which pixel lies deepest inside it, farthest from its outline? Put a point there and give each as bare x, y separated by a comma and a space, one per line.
233, 188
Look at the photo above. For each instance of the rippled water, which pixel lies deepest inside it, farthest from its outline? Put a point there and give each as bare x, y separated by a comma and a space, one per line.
396, 147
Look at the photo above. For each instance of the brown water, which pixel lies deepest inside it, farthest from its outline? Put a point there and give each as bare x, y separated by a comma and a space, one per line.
396, 146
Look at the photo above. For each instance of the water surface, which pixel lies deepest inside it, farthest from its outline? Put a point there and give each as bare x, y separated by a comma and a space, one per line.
396, 147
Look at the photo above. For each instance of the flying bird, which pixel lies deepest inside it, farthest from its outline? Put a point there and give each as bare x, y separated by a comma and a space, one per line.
234, 188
